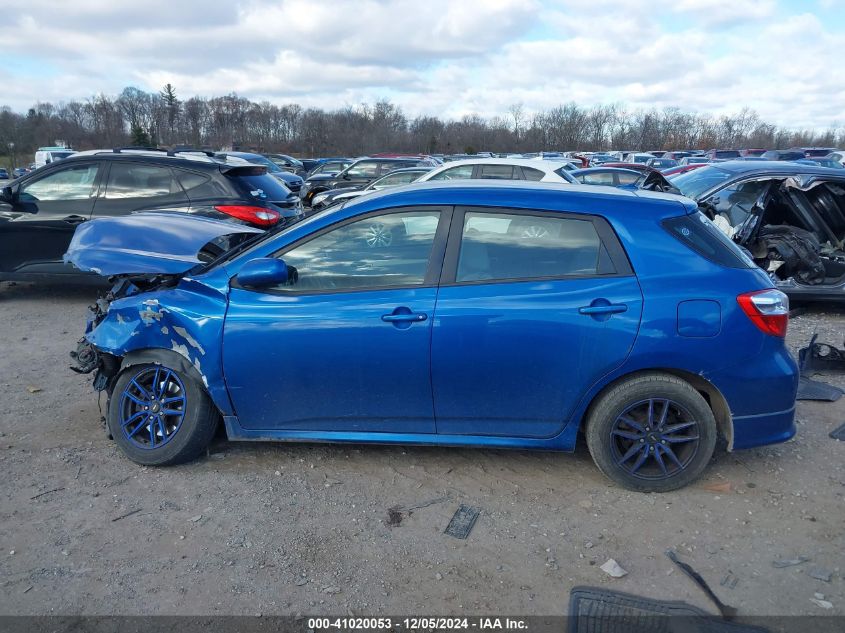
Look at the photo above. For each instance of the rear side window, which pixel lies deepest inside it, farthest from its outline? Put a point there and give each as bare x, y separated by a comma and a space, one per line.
502, 246
199, 186
261, 187
702, 236
134, 180
529, 173
497, 172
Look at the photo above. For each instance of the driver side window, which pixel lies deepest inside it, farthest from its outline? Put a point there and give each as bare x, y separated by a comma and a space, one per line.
383, 251
72, 183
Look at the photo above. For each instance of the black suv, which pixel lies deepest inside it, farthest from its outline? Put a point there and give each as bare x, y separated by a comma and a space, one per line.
359, 174
39, 211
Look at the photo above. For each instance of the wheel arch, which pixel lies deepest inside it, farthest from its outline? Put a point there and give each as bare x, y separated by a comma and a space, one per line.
711, 394
159, 356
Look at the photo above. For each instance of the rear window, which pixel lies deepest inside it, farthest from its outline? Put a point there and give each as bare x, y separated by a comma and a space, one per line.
702, 236
261, 187
727, 153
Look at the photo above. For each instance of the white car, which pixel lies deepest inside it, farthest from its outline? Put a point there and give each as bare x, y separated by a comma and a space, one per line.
639, 157
838, 156
535, 169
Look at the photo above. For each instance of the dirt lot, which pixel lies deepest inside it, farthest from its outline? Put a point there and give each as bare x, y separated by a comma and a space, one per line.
283, 529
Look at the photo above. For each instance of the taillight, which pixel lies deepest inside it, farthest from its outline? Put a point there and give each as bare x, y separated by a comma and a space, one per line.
767, 309
255, 215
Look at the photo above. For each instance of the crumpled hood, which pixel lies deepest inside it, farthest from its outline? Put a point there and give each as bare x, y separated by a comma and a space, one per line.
146, 243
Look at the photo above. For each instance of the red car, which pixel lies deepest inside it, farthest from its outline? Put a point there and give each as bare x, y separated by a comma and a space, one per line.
682, 169
638, 166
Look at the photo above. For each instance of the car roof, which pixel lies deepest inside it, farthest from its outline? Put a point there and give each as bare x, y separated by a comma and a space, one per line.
775, 167
595, 170
545, 164
526, 195
196, 157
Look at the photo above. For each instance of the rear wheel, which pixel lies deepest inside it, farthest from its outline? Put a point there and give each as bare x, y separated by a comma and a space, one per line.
160, 416
652, 433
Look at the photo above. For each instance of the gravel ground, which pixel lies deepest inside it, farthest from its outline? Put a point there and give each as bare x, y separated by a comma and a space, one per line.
284, 529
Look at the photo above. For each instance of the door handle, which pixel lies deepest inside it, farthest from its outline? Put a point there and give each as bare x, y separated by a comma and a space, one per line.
603, 308
404, 317
73, 219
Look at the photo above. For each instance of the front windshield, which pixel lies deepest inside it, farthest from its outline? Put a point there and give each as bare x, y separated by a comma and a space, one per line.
693, 183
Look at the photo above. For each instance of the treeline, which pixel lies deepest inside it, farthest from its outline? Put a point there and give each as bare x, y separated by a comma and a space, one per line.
136, 117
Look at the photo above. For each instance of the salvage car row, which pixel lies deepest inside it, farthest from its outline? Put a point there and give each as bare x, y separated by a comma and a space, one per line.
519, 306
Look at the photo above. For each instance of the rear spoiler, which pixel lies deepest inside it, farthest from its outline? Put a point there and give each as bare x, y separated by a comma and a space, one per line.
243, 170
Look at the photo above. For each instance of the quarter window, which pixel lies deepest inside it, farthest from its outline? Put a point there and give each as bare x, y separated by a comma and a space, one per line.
72, 183
499, 246
376, 252
132, 180
532, 174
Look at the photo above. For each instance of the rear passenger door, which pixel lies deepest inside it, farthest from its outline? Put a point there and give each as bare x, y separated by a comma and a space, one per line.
533, 308
135, 186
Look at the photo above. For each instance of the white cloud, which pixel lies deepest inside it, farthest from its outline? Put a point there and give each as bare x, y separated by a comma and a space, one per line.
440, 56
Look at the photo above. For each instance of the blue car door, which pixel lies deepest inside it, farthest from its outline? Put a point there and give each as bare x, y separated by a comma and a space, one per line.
533, 308
345, 344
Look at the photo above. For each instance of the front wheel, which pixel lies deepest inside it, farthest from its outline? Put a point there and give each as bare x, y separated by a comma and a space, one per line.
652, 433
159, 416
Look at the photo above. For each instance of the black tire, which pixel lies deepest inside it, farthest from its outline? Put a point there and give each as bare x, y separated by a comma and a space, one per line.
610, 438
189, 438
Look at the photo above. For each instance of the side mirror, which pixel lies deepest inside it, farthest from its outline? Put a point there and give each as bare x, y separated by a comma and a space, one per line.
7, 196
346, 177
263, 272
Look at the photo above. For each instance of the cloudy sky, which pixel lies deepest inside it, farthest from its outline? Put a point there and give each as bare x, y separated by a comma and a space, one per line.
444, 57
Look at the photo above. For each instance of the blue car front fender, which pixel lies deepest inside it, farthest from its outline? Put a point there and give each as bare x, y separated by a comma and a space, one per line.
184, 322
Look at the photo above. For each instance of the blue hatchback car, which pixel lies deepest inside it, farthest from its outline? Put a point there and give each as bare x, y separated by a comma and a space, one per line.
494, 314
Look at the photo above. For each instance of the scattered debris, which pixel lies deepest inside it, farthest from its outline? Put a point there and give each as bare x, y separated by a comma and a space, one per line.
46, 492
28, 589
612, 568
196, 518
789, 562
394, 517
809, 389
331, 590
727, 611
595, 609
128, 514
462, 521
425, 504
838, 433
301, 581
819, 574
721, 486
821, 602
32, 389
438, 576
729, 580
821, 356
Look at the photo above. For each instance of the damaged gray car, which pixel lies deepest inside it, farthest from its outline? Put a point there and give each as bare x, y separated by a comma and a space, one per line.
790, 217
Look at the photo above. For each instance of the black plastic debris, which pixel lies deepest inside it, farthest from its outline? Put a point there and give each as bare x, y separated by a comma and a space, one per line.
462, 521
595, 610
838, 433
821, 357
809, 389
726, 610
